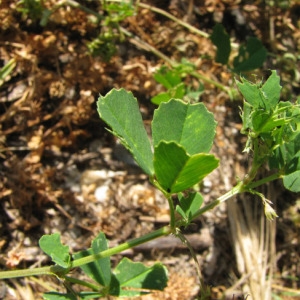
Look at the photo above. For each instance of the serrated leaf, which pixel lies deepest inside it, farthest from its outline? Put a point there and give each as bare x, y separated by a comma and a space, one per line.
265, 97
250, 57
221, 40
176, 170
271, 89
285, 157
99, 270
133, 278
189, 205
189, 125
251, 93
119, 109
53, 247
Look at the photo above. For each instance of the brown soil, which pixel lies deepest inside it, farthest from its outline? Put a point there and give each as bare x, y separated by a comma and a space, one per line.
61, 171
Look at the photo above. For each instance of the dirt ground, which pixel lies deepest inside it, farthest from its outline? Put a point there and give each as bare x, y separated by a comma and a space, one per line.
61, 171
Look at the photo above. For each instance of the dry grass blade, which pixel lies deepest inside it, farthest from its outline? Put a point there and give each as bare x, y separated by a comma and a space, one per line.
253, 238
22, 291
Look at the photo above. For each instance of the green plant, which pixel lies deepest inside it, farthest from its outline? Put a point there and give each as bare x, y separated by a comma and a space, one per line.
6, 70
31, 8
104, 44
172, 80
179, 160
250, 56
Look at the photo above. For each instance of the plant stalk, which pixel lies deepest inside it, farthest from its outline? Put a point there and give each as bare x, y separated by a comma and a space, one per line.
172, 213
243, 186
93, 287
125, 246
57, 270
260, 182
239, 188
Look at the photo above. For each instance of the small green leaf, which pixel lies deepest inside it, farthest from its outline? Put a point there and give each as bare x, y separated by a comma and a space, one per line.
259, 119
119, 109
266, 122
251, 93
99, 270
264, 97
221, 40
53, 247
189, 125
176, 170
168, 78
161, 97
271, 89
45, 17
286, 156
133, 278
189, 205
250, 57
177, 91
193, 95
119, 11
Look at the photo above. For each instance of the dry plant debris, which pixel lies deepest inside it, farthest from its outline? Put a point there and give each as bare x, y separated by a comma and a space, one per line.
61, 171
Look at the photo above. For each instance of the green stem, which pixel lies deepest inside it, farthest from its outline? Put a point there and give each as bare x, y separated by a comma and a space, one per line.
170, 201
93, 287
27, 272
125, 246
172, 213
213, 82
242, 186
57, 270
239, 188
260, 182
